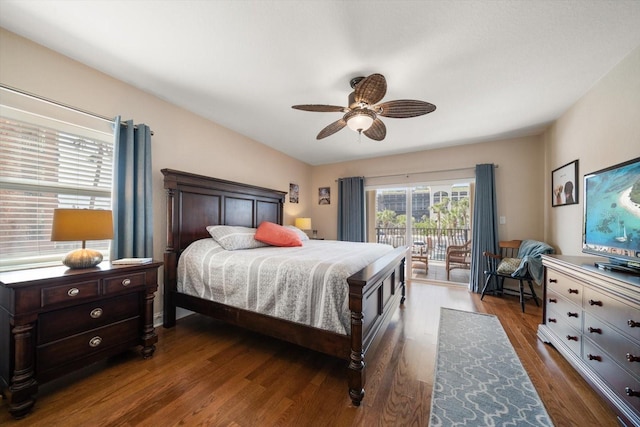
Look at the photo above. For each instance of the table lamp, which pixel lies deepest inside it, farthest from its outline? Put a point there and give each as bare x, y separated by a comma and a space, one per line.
303, 223
82, 224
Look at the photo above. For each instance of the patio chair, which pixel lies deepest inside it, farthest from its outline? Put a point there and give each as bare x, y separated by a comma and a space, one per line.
420, 256
458, 256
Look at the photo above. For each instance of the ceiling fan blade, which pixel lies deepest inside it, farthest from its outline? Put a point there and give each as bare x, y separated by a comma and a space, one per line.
377, 131
332, 128
321, 108
404, 108
371, 89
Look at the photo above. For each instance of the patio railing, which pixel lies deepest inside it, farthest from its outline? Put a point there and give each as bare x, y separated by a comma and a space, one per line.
435, 241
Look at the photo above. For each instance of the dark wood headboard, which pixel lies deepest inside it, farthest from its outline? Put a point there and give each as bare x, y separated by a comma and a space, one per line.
196, 201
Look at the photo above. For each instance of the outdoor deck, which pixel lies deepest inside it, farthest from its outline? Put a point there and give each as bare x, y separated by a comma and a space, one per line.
438, 272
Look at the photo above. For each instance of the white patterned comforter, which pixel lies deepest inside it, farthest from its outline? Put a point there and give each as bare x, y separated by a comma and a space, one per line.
302, 284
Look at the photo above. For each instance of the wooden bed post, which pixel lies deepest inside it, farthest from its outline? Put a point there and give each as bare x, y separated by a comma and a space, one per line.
377, 286
356, 373
170, 266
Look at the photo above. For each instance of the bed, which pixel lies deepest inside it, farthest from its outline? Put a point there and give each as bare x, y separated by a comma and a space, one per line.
195, 202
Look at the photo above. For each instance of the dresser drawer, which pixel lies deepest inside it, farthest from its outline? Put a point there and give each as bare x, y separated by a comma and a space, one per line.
565, 286
613, 342
563, 308
69, 294
614, 311
117, 284
564, 331
62, 323
617, 378
85, 344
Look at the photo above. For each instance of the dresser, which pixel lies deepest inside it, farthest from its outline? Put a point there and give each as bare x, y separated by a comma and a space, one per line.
56, 320
592, 317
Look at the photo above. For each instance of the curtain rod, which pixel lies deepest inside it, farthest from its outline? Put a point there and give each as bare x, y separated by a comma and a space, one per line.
60, 104
418, 173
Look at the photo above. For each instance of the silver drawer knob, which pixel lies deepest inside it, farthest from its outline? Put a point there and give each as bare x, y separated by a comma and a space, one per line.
95, 341
73, 292
126, 282
96, 313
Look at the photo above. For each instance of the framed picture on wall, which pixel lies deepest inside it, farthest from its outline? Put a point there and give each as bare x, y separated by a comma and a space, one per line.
294, 193
324, 195
564, 185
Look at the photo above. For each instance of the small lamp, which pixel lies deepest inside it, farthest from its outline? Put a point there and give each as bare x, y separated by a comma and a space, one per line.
303, 223
82, 224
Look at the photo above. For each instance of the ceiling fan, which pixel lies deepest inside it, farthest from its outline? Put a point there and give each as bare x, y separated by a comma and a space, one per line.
362, 113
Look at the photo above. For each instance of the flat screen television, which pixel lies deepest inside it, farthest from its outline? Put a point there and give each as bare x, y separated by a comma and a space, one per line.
612, 216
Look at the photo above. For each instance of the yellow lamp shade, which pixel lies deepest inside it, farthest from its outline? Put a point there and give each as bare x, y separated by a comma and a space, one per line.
82, 225
303, 223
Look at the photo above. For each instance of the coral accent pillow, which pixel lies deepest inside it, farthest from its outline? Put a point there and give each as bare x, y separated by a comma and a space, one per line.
277, 235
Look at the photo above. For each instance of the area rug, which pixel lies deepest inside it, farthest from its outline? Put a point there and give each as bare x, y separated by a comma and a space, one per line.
479, 380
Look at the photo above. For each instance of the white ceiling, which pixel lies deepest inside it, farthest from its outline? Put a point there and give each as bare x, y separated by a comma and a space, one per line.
494, 69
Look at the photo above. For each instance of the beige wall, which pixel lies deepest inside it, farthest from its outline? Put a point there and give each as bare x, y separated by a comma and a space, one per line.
519, 180
600, 130
182, 140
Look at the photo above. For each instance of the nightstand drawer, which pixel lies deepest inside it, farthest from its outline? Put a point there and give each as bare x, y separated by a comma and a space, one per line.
69, 294
122, 283
70, 321
49, 356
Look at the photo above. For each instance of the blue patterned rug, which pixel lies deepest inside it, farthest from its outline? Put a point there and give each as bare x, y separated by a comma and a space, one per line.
479, 380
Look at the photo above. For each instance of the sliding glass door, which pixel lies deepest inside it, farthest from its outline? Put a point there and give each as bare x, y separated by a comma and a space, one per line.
428, 218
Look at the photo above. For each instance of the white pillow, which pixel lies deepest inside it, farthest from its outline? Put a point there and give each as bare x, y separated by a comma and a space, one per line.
303, 236
234, 237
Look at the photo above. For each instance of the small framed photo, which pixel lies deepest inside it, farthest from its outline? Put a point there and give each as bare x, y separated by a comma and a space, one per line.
324, 195
564, 185
294, 193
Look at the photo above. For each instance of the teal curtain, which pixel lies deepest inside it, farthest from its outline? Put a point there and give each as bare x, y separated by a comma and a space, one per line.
132, 192
485, 223
351, 209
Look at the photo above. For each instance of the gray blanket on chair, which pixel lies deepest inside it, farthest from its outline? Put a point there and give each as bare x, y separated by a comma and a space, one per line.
530, 253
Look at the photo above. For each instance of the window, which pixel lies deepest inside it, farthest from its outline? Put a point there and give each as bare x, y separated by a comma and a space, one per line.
439, 196
47, 163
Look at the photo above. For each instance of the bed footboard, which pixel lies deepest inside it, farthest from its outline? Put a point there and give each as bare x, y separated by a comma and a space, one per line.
374, 294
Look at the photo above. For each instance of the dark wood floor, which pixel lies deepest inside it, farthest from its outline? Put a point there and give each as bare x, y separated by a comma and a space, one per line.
231, 377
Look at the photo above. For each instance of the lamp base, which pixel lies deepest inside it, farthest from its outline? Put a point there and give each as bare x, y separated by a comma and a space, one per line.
82, 258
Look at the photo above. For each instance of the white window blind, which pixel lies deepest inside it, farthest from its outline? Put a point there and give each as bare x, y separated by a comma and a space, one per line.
48, 163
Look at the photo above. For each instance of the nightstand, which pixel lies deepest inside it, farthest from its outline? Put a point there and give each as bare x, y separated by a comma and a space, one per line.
56, 320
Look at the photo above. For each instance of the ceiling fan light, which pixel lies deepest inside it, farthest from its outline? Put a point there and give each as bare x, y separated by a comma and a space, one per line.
360, 120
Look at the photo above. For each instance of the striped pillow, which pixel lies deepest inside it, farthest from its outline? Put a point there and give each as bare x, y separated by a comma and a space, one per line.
234, 237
